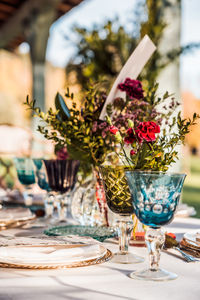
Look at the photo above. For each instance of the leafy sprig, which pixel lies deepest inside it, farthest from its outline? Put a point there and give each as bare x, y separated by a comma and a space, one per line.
76, 132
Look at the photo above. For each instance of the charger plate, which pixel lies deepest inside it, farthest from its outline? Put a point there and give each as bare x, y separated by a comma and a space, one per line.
15, 224
15, 217
97, 233
108, 255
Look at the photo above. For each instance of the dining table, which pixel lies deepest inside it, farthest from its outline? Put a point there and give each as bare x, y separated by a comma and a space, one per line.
106, 281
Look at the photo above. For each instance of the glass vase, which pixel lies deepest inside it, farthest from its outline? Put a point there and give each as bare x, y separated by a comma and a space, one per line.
89, 206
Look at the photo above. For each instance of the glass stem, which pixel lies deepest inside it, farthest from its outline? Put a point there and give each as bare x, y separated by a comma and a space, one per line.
125, 227
154, 239
63, 207
28, 196
49, 205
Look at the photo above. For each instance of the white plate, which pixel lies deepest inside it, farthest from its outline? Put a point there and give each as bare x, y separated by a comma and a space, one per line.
50, 255
191, 238
15, 215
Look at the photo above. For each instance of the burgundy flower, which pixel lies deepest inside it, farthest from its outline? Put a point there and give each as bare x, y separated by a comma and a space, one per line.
133, 88
130, 138
146, 131
113, 129
119, 103
62, 153
132, 152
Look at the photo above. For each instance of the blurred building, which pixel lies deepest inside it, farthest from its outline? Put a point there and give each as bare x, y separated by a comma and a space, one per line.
192, 105
16, 84
29, 21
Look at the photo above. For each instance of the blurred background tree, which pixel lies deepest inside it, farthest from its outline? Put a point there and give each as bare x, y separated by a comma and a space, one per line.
103, 50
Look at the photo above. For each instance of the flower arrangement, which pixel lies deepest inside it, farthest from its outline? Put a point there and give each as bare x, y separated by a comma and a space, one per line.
148, 126
142, 123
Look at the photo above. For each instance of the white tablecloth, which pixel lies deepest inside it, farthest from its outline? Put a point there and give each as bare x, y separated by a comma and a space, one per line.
107, 281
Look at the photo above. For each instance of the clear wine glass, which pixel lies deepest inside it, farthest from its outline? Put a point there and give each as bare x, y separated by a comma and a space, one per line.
26, 176
119, 201
41, 178
61, 178
155, 197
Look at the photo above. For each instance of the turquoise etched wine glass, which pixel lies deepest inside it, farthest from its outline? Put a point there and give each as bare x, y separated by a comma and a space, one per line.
26, 176
155, 197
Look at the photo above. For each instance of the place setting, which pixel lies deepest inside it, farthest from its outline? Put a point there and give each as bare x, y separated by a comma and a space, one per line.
51, 253
108, 189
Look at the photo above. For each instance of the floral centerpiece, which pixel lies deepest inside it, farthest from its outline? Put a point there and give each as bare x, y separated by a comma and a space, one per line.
140, 128
148, 129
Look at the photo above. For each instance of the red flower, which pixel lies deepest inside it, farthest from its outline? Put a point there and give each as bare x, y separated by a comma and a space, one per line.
171, 234
146, 131
113, 129
132, 152
133, 88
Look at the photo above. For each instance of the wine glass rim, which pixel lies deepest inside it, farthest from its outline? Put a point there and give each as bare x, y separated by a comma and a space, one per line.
146, 172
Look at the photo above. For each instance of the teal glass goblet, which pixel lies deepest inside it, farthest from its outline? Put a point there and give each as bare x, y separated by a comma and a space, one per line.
155, 197
26, 176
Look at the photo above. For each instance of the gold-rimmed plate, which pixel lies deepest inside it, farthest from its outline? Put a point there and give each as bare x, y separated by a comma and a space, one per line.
108, 255
16, 223
15, 217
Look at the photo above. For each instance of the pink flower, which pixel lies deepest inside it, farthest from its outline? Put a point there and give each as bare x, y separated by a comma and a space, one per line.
94, 127
103, 134
132, 152
113, 129
62, 153
133, 88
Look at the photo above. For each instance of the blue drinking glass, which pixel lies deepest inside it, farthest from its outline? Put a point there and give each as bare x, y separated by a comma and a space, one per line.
26, 176
155, 197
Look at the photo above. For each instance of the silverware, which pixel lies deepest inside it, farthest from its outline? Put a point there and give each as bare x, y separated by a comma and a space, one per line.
187, 257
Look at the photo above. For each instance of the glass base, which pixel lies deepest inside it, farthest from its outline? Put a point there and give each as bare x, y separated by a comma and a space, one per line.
126, 258
159, 275
57, 222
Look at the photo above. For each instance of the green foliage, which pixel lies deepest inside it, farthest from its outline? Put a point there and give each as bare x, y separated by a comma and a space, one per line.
76, 132
103, 50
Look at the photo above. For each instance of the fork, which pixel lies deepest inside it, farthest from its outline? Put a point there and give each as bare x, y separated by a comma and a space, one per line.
187, 257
